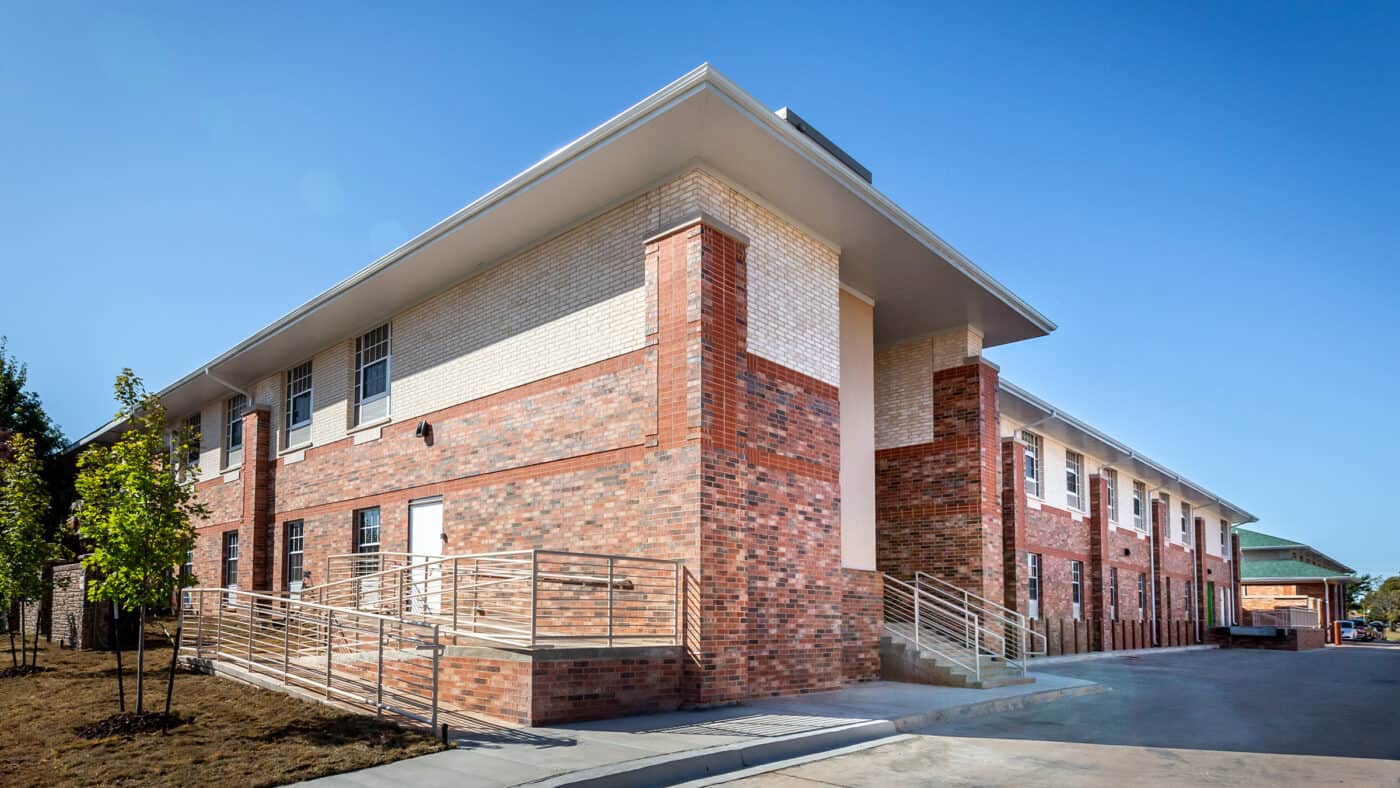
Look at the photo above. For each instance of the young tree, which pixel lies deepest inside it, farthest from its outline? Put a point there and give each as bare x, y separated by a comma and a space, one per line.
24, 552
1384, 606
1357, 592
138, 504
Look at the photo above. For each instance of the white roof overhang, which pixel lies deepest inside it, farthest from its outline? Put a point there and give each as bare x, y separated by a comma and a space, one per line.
920, 284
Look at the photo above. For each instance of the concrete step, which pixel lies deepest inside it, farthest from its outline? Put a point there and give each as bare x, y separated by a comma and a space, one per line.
900, 660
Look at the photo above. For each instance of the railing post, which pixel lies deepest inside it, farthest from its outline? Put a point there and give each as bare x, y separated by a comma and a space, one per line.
455, 585
219, 625
476, 590
329, 623
250, 633
199, 628
286, 639
534, 593
610, 601
917, 647
379, 675
676, 607
437, 655
403, 600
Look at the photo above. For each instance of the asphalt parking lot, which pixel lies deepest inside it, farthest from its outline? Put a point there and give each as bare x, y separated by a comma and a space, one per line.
1224, 717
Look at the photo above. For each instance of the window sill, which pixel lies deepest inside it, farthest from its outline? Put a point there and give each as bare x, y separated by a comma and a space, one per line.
369, 425
290, 449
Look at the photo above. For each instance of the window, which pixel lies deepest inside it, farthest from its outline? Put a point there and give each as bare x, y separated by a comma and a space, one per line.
1033, 584
231, 559
1188, 585
299, 405
1076, 586
1225, 538
1113, 593
1139, 506
1166, 524
192, 431
187, 575
294, 555
367, 530
1111, 476
234, 408
1185, 523
1074, 470
1033, 462
1142, 594
372, 375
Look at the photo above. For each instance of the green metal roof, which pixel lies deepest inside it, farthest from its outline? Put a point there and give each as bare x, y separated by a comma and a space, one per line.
1289, 569
1250, 539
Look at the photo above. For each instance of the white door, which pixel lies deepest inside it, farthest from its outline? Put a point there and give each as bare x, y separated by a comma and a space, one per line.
1033, 585
425, 543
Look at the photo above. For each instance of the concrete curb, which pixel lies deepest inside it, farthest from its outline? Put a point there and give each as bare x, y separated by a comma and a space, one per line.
697, 765
1136, 652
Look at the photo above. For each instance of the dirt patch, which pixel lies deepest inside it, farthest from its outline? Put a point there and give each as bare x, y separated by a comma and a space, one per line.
232, 733
129, 723
15, 671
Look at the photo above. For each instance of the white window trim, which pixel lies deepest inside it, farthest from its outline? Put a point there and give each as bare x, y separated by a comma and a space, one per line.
1076, 502
1143, 509
1110, 475
359, 382
1034, 451
310, 396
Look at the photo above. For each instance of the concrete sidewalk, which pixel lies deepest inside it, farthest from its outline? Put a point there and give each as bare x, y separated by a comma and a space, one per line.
677, 746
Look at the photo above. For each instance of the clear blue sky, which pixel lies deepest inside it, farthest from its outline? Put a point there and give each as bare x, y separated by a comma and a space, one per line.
1203, 197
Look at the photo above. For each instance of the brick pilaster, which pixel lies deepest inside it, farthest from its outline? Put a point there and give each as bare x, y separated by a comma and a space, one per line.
1013, 524
1099, 586
1201, 578
255, 548
1236, 577
1161, 610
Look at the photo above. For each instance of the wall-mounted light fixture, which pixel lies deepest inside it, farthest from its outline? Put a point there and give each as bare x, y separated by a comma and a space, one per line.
425, 430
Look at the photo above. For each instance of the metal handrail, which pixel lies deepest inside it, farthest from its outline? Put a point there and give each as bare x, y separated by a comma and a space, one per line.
934, 625
318, 647
1017, 646
520, 598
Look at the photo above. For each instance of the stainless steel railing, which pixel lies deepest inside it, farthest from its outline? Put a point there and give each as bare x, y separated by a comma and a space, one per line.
1285, 618
524, 598
1006, 633
354, 657
932, 624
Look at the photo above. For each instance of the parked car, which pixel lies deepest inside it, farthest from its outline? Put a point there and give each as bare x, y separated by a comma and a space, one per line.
1378, 629
1348, 630
1363, 632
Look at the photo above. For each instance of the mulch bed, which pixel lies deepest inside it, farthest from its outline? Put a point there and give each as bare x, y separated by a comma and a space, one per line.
129, 723
15, 671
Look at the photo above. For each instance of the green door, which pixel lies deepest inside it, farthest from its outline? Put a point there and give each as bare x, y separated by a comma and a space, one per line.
1210, 603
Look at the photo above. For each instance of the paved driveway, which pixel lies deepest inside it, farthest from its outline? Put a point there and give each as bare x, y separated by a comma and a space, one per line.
1223, 717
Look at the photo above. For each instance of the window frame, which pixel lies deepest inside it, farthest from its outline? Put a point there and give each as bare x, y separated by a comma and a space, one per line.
1034, 583
194, 426
1225, 551
1035, 463
360, 528
1139, 505
1187, 523
361, 349
296, 376
1110, 476
233, 425
1113, 593
1076, 588
1141, 594
1074, 469
229, 559
294, 545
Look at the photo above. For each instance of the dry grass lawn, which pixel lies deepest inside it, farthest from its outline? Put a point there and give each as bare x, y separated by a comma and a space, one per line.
240, 735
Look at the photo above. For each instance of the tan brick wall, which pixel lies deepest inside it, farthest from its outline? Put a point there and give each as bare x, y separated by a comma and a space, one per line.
904, 394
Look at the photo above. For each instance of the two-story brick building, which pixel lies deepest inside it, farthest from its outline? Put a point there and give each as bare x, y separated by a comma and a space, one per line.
661, 341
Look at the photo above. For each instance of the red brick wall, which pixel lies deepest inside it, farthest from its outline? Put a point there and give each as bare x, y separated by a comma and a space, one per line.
938, 505
689, 448
862, 621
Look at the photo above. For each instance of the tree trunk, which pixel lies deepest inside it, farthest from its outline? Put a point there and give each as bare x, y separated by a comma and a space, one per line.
141, 664
170, 682
117, 645
38, 608
23, 643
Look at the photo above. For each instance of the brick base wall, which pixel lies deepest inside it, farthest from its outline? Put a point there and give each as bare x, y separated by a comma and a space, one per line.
862, 621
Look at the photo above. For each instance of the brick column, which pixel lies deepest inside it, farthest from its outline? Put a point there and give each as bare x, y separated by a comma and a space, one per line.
1099, 586
1161, 611
255, 549
1202, 578
1013, 524
1237, 577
